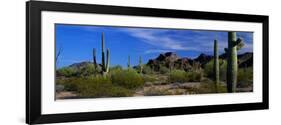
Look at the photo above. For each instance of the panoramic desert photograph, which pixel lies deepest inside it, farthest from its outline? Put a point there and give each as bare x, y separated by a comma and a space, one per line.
113, 61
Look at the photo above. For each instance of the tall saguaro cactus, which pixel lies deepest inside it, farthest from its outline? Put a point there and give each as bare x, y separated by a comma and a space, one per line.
216, 65
107, 60
94, 58
129, 62
140, 65
104, 63
234, 44
102, 52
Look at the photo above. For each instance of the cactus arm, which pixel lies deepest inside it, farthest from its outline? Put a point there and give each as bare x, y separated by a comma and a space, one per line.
225, 50
107, 60
239, 43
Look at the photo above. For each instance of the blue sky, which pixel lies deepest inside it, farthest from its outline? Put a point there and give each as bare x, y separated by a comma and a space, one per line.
77, 42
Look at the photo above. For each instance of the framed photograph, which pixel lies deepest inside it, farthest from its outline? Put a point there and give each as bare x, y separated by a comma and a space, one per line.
95, 62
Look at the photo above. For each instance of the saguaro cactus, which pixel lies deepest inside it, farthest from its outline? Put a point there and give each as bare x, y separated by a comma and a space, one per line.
107, 60
94, 58
216, 65
104, 63
232, 66
140, 64
129, 62
102, 52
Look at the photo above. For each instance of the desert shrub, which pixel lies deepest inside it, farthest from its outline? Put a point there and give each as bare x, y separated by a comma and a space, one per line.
129, 78
138, 69
59, 88
209, 70
182, 76
68, 83
149, 78
223, 68
114, 69
87, 70
66, 72
178, 76
98, 86
163, 70
116, 91
221, 88
245, 77
117, 67
194, 76
154, 91
208, 86
147, 69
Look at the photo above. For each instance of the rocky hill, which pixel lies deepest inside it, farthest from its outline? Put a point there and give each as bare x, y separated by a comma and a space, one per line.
171, 59
80, 65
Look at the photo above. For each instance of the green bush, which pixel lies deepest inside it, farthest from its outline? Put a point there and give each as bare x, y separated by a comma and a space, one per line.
117, 67
163, 70
95, 87
66, 72
68, 84
223, 68
178, 76
245, 77
209, 70
182, 76
71, 83
88, 70
129, 78
194, 76
208, 86
149, 78
147, 70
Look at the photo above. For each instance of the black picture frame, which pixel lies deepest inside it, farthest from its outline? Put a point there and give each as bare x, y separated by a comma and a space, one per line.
33, 61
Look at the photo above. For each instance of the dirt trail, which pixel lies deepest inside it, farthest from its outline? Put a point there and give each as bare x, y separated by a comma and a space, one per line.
66, 95
169, 89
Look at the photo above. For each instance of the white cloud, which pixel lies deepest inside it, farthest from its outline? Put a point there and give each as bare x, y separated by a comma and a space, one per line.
191, 40
156, 51
157, 38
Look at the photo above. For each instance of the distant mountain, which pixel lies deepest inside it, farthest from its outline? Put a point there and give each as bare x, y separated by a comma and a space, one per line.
245, 60
203, 58
172, 59
164, 59
80, 65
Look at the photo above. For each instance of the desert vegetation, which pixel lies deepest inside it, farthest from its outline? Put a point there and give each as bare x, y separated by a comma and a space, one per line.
168, 74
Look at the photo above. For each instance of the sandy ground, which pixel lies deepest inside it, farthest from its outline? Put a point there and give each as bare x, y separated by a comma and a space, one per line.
65, 95
152, 89
175, 88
